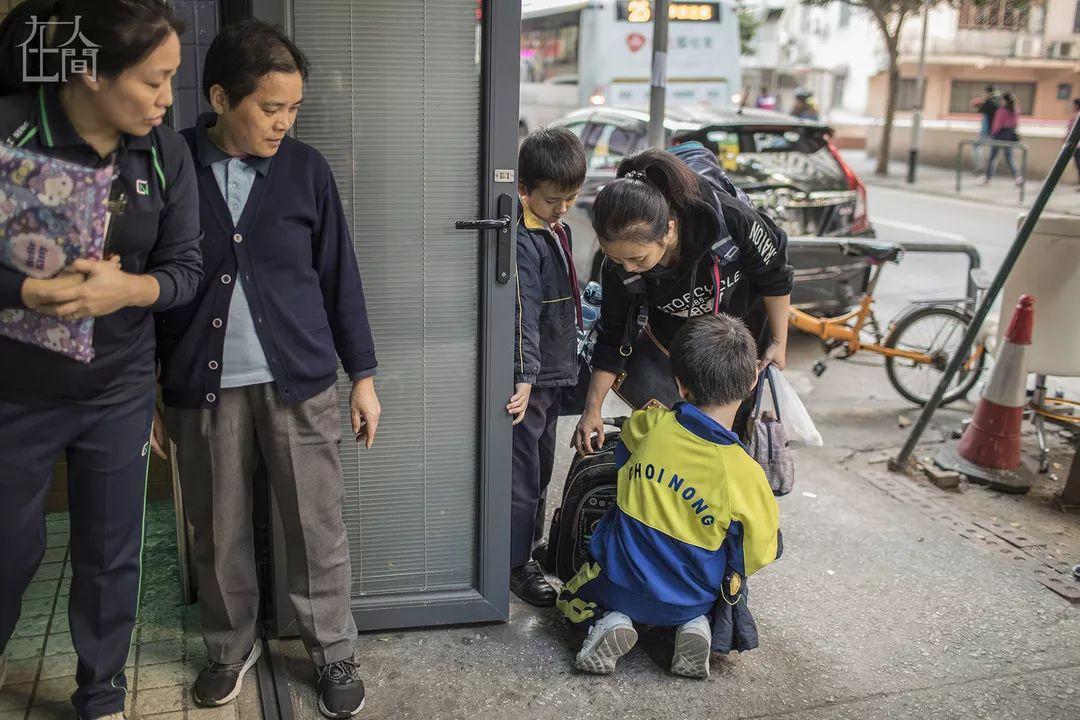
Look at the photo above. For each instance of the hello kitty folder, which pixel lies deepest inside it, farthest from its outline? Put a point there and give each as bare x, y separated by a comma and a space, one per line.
52, 213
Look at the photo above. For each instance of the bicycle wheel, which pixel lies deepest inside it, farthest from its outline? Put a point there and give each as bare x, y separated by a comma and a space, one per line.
937, 332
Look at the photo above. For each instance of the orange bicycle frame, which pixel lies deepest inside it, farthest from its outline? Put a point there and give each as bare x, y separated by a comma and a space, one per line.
846, 327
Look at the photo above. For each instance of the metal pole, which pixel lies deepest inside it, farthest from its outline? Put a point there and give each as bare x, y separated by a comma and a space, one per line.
1052, 178
920, 90
658, 88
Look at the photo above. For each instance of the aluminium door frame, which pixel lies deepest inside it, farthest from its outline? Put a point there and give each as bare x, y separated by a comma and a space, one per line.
489, 600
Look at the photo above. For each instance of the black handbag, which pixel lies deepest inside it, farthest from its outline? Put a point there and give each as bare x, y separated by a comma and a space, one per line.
647, 380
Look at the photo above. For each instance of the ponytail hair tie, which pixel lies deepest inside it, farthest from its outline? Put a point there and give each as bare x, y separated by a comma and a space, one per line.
637, 175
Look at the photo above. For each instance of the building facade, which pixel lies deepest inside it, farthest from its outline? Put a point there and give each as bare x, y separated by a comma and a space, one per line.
830, 50
1032, 52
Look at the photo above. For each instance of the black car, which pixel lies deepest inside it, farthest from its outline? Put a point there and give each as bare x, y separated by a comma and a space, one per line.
789, 168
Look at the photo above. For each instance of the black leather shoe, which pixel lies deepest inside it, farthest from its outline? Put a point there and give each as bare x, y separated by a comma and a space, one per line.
528, 583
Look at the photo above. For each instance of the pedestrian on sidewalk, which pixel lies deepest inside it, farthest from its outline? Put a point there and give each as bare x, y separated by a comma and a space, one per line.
1006, 122
97, 415
765, 99
987, 107
551, 170
804, 106
249, 368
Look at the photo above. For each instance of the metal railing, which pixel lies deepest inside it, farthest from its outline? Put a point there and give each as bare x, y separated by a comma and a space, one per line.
1007, 145
973, 286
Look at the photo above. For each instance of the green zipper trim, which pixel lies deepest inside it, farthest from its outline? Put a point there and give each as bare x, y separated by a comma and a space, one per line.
157, 167
26, 137
142, 549
557, 300
44, 117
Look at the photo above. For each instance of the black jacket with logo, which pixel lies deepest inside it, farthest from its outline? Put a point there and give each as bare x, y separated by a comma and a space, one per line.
672, 295
545, 347
158, 234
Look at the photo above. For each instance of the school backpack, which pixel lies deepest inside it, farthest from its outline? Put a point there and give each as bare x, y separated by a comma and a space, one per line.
590, 490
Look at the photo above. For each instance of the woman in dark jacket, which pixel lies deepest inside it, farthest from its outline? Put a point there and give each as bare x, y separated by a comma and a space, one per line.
675, 228
108, 112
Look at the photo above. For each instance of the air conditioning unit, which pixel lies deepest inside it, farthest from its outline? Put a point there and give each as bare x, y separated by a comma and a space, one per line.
1029, 46
1063, 50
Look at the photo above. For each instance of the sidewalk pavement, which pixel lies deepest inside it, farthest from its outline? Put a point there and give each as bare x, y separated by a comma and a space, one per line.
167, 650
881, 607
875, 612
893, 600
941, 182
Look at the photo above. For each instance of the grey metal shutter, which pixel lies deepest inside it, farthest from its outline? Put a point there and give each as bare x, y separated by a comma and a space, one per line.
393, 102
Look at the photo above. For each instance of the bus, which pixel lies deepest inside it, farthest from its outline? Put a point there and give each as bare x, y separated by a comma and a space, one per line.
576, 53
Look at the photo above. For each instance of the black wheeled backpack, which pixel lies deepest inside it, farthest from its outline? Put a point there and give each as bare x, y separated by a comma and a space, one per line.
589, 492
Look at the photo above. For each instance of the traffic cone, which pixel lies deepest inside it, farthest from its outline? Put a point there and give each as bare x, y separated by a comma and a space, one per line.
992, 440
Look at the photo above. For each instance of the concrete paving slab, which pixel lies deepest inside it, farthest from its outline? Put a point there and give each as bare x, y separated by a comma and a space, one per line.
873, 605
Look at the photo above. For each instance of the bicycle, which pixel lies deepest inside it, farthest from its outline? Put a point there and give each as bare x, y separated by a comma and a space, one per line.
918, 343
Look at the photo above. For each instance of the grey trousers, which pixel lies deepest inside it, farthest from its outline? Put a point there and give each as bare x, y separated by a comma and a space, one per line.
219, 451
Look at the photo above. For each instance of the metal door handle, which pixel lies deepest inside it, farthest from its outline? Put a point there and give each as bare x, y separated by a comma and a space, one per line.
502, 223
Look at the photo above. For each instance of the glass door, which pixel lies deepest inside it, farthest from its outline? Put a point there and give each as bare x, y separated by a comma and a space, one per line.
414, 104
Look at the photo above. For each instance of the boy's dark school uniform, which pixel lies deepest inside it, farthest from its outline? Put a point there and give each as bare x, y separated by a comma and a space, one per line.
545, 355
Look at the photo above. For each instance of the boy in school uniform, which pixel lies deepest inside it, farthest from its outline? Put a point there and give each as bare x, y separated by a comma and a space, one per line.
551, 170
694, 514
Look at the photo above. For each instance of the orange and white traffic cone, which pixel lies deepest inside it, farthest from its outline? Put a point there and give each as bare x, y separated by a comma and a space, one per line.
991, 442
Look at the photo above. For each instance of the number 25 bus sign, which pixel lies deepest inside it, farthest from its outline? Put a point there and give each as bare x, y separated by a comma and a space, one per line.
641, 11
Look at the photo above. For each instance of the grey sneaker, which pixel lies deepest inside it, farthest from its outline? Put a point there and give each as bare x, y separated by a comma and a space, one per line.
219, 683
3, 669
114, 716
693, 645
610, 637
341, 691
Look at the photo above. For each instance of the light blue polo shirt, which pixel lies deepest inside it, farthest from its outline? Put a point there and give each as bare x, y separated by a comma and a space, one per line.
243, 362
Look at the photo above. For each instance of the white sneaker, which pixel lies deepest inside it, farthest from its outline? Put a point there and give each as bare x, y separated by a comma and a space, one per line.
693, 645
611, 637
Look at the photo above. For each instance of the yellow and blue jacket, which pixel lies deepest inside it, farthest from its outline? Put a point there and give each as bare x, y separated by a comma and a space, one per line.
693, 508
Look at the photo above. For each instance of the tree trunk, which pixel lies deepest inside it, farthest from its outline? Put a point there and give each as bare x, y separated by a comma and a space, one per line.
890, 108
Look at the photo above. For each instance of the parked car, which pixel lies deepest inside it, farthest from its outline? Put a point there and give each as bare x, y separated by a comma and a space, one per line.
788, 167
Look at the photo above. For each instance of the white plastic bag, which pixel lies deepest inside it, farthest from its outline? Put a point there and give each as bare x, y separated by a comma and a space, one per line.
792, 413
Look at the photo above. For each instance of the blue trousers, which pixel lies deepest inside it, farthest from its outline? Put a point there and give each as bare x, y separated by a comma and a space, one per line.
533, 460
107, 450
